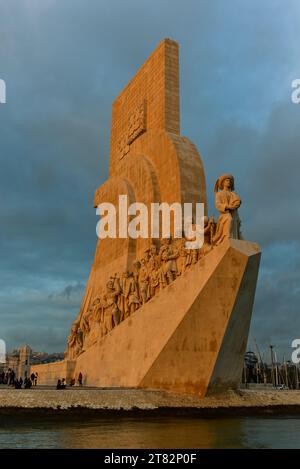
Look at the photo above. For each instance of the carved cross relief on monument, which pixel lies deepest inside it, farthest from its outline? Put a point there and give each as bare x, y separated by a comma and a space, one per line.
135, 127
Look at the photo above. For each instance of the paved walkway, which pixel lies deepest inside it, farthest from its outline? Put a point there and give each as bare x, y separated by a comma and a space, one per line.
137, 399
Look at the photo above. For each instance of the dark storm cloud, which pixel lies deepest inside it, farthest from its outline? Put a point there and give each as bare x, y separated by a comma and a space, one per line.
68, 291
64, 62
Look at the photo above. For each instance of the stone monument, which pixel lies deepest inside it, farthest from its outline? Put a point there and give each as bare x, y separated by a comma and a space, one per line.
155, 314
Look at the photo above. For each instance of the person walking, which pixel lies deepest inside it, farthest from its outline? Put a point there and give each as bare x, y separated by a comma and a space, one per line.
12, 378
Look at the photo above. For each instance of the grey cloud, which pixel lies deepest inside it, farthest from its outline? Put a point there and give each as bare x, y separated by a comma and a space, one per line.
68, 291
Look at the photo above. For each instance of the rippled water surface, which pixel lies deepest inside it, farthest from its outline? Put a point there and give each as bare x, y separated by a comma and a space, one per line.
149, 432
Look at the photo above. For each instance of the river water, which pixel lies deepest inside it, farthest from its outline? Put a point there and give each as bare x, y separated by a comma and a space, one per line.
149, 432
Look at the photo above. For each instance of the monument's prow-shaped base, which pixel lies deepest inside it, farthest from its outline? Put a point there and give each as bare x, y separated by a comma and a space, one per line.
191, 337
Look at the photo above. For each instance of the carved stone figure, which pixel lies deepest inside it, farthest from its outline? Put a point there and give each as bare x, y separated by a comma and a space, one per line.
147, 255
79, 341
154, 270
72, 341
97, 309
85, 321
111, 310
154, 257
95, 312
94, 322
75, 341
182, 255
135, 273
122, 300
144, 282
227, 203
115, 294
191, 257
194, 253
168, 255
130, 294
209, 229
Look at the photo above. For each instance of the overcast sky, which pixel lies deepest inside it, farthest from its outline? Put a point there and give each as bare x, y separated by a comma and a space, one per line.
64, 62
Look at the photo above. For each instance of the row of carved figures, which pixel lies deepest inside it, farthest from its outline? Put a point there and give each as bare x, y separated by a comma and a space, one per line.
127, 292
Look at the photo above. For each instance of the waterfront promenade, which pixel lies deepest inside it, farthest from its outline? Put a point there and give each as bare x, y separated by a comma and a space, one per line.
115, 399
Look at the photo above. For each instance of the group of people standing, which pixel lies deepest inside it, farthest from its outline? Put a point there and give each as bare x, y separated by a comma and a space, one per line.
9, 378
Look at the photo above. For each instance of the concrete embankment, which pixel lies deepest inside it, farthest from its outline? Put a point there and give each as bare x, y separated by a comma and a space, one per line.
109, 401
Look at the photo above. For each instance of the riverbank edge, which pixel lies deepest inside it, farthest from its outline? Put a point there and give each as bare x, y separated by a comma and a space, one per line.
135, 412
138, 402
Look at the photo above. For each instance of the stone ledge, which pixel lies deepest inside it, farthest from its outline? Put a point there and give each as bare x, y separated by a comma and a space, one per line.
107, 400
